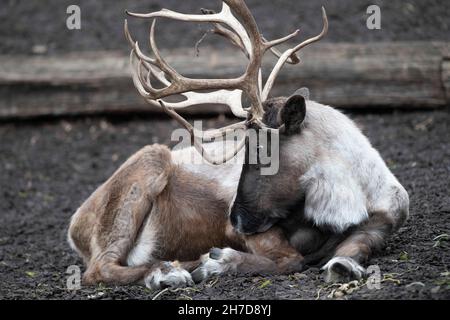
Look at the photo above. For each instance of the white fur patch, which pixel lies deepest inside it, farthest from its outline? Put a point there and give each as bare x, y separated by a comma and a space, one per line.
226, 175
211, 267
333, 198
176, 277
69, 237
344, 177
355, 270
141, 253
71, 243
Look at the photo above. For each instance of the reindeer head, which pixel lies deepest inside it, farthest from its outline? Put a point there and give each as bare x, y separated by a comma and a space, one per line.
279, 117
262, 199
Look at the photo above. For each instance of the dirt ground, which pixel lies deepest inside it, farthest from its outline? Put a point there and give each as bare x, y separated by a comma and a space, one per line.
40, 26
48, 168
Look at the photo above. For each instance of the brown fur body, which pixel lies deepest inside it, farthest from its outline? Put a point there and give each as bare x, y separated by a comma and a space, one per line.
185, 213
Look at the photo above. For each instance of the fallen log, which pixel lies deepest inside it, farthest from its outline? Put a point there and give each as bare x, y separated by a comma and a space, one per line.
388, 75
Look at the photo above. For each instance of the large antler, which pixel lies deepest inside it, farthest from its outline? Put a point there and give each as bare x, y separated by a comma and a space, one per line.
236, 23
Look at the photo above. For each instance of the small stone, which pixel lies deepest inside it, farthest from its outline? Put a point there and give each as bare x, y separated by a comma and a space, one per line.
435, 289
39, 49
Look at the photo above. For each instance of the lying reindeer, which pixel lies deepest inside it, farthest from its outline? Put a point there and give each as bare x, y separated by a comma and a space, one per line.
151, 221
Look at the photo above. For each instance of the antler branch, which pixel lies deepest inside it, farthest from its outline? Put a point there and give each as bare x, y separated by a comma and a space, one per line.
288, 53
197, 141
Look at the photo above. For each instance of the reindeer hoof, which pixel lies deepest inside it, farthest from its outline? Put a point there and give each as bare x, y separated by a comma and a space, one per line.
343, 269
169, 274
217, 261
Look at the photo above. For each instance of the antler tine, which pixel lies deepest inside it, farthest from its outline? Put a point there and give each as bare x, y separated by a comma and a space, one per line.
226, 33
198, 143
134, 44
276, 42
293, 59
288, 53
159, 61
236, 40
135, 76
143, 59
319, 36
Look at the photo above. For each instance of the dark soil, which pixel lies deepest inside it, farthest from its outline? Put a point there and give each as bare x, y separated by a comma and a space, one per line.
47, 169
25, 25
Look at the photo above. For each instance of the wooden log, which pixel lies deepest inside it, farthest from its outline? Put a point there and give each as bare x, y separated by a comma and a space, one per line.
388, 75
401, 75
446, 78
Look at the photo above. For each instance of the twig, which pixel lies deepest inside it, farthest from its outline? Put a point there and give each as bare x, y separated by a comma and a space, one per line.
160, 293
173, 291
197, 44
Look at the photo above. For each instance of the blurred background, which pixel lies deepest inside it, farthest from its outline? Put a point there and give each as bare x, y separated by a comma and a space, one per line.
69, 116
48, 69
26, 25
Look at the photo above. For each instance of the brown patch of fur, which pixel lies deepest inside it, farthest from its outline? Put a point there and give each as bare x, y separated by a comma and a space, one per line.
350, 249
139, 172
112, 272
189, 226
107, 224
367, 238
273, 245
80, 232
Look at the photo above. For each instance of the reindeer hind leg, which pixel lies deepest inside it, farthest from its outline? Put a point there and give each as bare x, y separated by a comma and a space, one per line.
127, 199
116, 235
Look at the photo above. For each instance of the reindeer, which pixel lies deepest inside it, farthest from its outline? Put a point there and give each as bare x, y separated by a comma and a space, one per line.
151, 221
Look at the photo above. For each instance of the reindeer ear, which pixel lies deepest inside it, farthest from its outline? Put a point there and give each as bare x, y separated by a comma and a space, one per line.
292, 114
